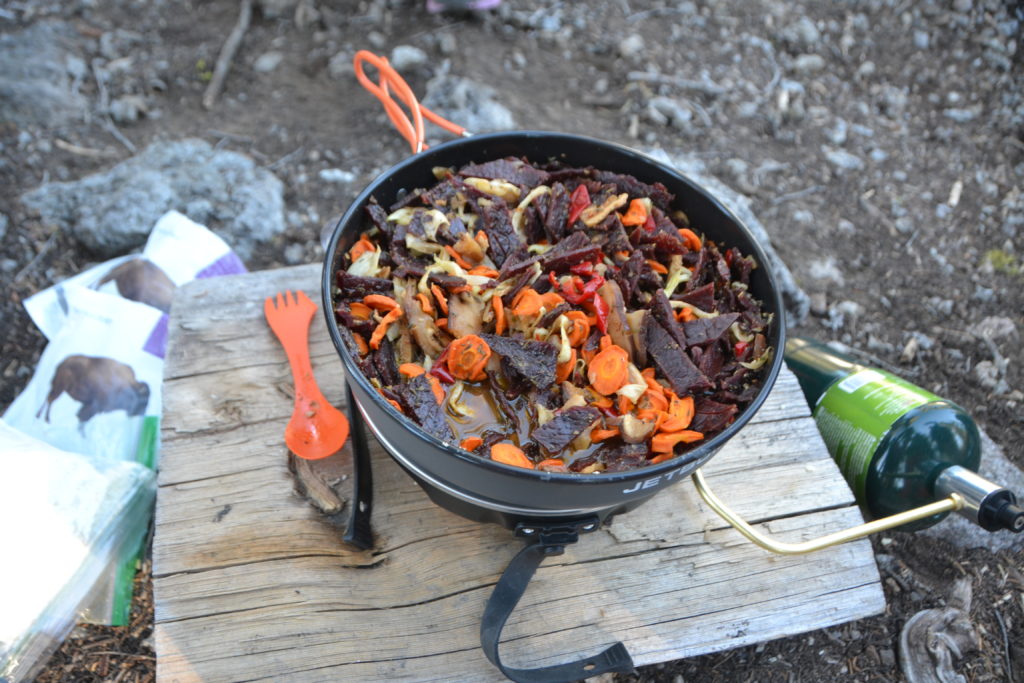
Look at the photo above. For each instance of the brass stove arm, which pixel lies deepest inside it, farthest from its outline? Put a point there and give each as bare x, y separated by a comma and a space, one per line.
953, 502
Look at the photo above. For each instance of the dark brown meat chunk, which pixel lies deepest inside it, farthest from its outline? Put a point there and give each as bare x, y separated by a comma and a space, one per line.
670, 360
497, 225
420, 403
574, 249
510, 169
657, 192
354, 287
558, 214
661, 309
702, 297
559, 432
711, 417
704, 330
535, 361
623, 457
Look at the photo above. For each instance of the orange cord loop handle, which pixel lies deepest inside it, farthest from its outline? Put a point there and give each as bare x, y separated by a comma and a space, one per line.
389, 79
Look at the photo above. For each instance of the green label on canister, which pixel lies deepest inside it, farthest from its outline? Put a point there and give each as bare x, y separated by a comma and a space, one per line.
856, 413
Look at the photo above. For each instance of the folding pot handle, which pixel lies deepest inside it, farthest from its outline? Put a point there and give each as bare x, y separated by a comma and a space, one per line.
544, 542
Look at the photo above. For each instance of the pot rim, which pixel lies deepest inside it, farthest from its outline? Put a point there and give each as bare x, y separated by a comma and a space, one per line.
703, 452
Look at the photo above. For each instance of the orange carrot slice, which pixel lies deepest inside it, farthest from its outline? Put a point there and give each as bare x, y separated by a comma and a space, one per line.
471, 443
609, 370
690, 238
380, 302
510, 455
680, 411
563, 370
666, 442
597, 435
411, 369
362, 246
578, 329
467, 357
360, 310
425, 304
382, 328
435, 386
499, 314
636, 214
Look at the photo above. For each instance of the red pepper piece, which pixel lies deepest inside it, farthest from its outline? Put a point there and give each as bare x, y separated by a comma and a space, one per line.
553, 279
577, 295
739, 348
601, 311
585, 268
579, 200
649, 224
440, 367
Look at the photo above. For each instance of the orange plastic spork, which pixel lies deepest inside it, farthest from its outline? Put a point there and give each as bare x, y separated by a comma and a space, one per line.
317, 429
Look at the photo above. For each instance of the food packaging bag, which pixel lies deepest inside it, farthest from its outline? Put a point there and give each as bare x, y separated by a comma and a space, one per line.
63, 519
177, 251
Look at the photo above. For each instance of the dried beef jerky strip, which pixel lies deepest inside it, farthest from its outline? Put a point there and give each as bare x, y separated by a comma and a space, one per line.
657, 192
704, 330
623, 457
549, 318
702, 297
556, 434
379, 217
355, 287
628, 275
576, 248
384, 361
343, 314
670, 360
510, 169
711, 417
421, 404
558, 214
534, 360
661, 309
497, 225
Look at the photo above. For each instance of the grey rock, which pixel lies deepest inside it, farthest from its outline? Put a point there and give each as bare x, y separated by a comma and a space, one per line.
801, 34
846, 226
808, 64
843, 160
277, 9
473, 105
837, 133
8, 265
113, 211
128, 108
267, 62
339, 67
117, 43
337, 175
921, 40
672, 112
36, 88
943, 211
405, 57
960, 115
983, 294
904, 224
803, 217
294, 254
819, 305
632, 46
795, 300
962, 533
878, 155
963, 6
996, 328
3, 225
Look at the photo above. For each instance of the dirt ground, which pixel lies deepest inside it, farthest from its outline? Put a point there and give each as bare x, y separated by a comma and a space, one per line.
879, 141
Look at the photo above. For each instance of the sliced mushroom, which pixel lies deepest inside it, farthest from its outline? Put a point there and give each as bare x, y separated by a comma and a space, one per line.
635, 321
465, 314
618, 325
635, 430
422, 326
469, 249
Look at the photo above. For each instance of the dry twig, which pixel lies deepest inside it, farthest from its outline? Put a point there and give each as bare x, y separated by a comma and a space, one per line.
227, 53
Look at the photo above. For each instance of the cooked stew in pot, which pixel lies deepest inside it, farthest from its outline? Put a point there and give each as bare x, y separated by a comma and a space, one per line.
552, 318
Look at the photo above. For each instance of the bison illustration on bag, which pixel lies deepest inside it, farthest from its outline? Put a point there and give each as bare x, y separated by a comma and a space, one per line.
102, 385
143, 281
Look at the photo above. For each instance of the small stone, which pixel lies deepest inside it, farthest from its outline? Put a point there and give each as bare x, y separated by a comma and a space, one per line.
405, 57
843, 160
988, 375
887, 656
846, 226
904, 224
267, 62
808, 64
447, 44
909, 351
836, 134
878, 155
960, 115
819, 305
940, 307
996, 328
377, 39
943, 211
294, 254
8, 265
803, 217
983, 294
632, 46
337, 175
3, 225
673, 113
128, 108
826, 270
803, 33
339, 66
921, 40
963, 6
866, 69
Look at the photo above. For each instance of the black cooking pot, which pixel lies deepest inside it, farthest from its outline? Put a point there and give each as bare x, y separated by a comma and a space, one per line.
547, 508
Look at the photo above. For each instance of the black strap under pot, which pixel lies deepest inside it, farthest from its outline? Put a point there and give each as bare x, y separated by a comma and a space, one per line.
542, 541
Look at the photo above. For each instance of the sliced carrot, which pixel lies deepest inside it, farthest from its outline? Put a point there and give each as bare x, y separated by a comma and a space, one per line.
435, 386
510, 455
467, 357
360, 310
578, 329
411, 369
622, 254
361, 343
650, 415
563, 370
661, 457
601, 401
606, 341
597, 435
657, 400
608, 371
382, 327
499, 314
457, 257
551, 299
442, 323
460, 289
481, 239
652, 383
527, 303
656, 266
441, 301
680, 413
425, 304
394, 403
379, 302
636, 214
552, 465
624, 405
362, 246
690, 238
666, 442
685, 315
484, 271
471, 443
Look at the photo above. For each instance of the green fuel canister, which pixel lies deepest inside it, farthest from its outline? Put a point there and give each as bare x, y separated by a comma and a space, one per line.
898, 445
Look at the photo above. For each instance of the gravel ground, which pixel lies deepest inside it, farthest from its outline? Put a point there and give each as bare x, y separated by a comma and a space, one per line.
879, 142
